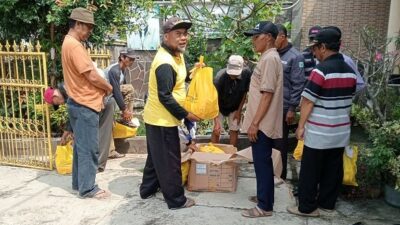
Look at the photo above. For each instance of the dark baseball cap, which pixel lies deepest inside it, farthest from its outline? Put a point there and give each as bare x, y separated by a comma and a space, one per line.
326, 35
263, 27
314, 31
174, 23
129, 53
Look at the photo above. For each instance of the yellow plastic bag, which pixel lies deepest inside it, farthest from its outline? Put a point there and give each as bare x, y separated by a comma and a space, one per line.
185, 166
64, 154
210, 148
298, 151
122, 131
350, 165
202, 96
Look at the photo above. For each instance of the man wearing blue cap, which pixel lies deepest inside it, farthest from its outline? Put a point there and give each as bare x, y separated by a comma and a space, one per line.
264, 114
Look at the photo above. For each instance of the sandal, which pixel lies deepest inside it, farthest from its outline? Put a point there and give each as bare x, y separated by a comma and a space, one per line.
189, 203
295, 210
101, 194
253, 199
116, 156
256, 212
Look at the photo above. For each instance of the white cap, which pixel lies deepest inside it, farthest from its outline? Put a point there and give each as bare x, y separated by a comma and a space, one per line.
235, 65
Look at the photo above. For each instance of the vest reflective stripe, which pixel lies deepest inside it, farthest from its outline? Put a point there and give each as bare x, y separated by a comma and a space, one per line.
154, 112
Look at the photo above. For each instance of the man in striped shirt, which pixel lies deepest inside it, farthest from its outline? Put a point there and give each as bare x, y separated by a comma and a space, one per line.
325, 125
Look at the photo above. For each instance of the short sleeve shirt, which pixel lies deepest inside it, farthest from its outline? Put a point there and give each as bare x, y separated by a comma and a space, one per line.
267, 77
75, 62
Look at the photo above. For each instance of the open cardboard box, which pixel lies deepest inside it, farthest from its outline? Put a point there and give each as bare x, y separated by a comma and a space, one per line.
219, 172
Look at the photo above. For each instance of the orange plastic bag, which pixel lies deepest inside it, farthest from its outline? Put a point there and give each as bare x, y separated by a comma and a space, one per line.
64, 154
202, 96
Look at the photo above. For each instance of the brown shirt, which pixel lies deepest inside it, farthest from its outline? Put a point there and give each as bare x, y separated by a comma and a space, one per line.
267, 77
75, 62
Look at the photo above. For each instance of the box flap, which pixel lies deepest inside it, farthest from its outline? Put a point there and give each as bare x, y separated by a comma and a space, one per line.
205, 157
245, 153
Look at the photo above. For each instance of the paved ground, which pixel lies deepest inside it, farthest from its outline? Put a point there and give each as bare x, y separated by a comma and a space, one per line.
29, 196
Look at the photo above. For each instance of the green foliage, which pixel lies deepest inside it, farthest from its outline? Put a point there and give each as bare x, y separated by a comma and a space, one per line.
141, 131
227, 26
58, 119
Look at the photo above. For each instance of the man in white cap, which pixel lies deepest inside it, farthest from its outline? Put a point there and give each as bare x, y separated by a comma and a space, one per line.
86, 89
232, 84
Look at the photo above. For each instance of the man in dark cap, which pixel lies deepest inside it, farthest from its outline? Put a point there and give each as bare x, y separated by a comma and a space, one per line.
324, 125
163, 113
86, 90
309, 60
264, 114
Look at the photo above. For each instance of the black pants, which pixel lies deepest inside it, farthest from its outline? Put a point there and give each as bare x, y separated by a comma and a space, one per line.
281, 144
163, 165
321, 176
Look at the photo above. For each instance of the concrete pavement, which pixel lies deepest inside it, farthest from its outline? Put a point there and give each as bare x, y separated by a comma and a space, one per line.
29, 196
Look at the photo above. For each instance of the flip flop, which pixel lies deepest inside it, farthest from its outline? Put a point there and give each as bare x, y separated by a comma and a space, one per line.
256, 212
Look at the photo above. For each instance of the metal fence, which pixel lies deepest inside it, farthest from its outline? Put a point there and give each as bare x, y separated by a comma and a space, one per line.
24, 118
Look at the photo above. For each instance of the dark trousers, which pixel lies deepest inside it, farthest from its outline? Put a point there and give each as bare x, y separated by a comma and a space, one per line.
262, 150
281, 144
163, 166
321, 176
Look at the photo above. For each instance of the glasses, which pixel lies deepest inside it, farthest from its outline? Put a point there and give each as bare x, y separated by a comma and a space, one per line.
180, 34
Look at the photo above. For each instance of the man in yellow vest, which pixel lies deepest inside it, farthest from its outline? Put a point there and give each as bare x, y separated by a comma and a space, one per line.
163, 113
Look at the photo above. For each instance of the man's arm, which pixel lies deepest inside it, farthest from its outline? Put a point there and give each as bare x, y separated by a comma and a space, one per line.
166, 80
262, 109
297, 80
95, 79
116, 90
305, 111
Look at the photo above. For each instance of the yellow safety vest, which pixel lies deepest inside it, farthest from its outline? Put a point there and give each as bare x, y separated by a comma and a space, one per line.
154, 112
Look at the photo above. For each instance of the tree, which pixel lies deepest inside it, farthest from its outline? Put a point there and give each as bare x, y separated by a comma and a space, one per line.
47, 21
225, 21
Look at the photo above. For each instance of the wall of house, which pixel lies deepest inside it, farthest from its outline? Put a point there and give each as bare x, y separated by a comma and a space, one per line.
349, 16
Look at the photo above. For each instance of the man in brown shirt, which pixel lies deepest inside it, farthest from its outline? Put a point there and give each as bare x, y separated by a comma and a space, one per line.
86, 89
263, 117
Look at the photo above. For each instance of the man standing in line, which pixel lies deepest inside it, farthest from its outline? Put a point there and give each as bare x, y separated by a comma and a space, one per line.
293, 83
309, 59
163, 113
324, 125
86, 89
263, 118
232, 84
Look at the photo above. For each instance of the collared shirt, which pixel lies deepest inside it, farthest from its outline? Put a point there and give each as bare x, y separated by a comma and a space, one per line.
267, 77
331, 87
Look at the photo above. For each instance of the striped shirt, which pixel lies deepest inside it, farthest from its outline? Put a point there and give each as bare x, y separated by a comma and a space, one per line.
331, 87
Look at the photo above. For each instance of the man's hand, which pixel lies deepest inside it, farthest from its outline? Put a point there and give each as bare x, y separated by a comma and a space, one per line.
127, 115
192, 117
252, 132
217, 127
237, 116
67, 136
290, 117
300, 133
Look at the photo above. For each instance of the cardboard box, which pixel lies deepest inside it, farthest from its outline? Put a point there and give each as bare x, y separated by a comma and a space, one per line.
219, 172
213, 172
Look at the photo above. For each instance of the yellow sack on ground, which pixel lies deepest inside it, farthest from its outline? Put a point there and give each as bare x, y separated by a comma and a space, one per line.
122, 131
298, 151
350, 165
210, 148
202, 96
64, 154
185, 171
